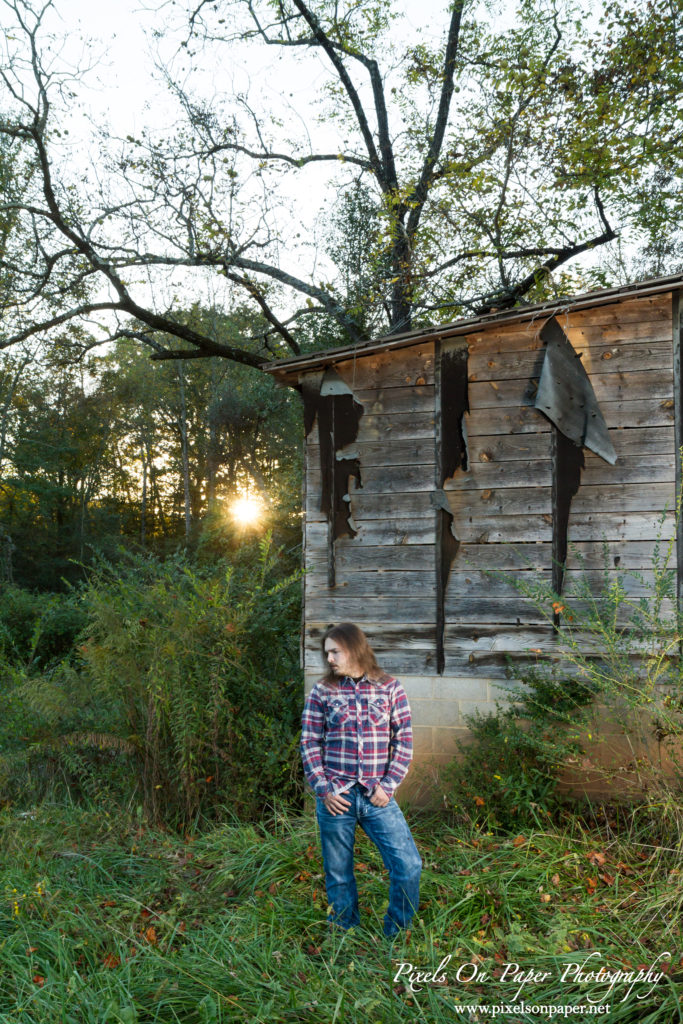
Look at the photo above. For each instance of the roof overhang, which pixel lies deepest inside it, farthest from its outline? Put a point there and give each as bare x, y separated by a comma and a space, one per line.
288, 369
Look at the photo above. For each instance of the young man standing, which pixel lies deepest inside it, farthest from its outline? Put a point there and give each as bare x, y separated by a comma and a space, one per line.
356, 745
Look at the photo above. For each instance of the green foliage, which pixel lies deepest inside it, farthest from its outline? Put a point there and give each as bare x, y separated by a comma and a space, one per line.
200, 665
506, 775
107, 921
112, 449
620, 636
608, 700
181, 691
38, 628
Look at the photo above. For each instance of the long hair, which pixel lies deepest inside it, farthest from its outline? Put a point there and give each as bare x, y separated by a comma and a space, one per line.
354, 641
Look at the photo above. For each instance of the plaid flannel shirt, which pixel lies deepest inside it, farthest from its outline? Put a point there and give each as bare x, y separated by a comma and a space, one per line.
356, 732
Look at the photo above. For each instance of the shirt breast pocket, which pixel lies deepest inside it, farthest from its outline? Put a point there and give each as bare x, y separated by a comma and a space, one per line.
378, 712
338, 714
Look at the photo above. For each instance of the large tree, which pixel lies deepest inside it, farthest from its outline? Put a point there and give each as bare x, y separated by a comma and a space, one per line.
492, 157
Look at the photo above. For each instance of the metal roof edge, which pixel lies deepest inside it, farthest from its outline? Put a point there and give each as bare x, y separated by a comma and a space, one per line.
553, 307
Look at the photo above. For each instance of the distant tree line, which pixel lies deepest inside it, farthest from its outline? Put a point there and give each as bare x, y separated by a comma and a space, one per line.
110, 450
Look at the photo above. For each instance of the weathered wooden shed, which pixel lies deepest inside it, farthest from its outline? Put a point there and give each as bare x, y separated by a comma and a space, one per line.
551, 428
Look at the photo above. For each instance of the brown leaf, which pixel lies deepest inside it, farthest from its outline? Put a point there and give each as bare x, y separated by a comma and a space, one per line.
310, 852
182, 927
108, 903
272, 888
465, 871
39, 980
151, 935
597, 858
607, 879
545, 897
479, 801
313, 950
519, 841
111, 960
31, 949
555, 879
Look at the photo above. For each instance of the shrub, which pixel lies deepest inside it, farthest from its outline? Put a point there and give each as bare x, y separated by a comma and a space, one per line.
193, 658
610, 694
183, 691
38, 627
507, 774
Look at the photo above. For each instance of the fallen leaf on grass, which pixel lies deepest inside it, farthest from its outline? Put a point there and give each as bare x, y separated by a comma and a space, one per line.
555, 879
111, 960
151, 935
31, 949
479, 802
272, 888
39, 980
519, 841
597, 858
545, 897
314, 950
607, 879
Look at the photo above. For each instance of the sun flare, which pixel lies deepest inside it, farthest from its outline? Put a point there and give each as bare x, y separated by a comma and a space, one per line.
247, 511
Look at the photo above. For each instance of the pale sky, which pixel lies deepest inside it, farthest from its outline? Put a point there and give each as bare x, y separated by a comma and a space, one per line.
121, 83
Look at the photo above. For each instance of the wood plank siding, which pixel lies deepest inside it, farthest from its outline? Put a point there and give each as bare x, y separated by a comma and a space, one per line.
385, 574
502, 503
505, 499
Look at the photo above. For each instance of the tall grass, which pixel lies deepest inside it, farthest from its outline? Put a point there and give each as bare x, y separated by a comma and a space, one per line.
107, 922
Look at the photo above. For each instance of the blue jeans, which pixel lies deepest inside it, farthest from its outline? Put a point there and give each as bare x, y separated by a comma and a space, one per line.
389, 831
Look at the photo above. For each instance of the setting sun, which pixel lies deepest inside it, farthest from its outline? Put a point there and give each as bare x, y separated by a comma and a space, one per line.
247, 511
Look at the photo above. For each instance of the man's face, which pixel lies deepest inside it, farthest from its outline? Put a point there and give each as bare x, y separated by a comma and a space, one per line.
338, 658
